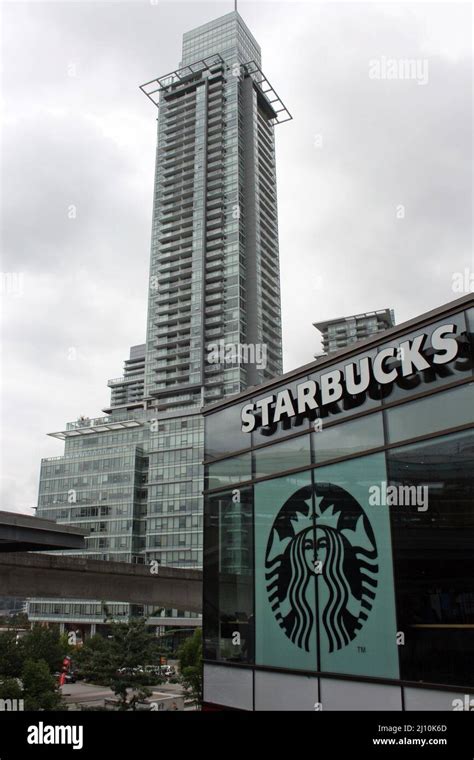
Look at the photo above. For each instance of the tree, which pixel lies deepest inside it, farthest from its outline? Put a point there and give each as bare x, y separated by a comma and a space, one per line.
190, 665
40, 690
11, 657
91, 659
11, 688
26, 667
118, 660
43, 644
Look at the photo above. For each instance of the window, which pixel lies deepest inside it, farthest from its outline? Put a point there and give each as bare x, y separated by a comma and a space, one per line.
228, 578
348, 438
231, 470
316, 616
434, 559
223, 433
283, 456
428, 415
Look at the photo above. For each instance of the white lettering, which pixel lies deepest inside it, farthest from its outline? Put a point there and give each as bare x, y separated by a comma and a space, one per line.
306, 396
352, 386
283, 406
411, 356
248, 419
42, 734
381, 375
331, 388
264, 405
448, 345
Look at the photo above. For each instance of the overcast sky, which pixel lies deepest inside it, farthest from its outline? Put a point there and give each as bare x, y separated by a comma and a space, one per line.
374, 184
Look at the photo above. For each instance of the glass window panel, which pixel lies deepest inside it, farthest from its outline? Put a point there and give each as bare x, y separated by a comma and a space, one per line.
228, 471
224, 434
283, 456
428, 415
228, 577
323, 572
356, 598
285, 592
434, 559
348, 438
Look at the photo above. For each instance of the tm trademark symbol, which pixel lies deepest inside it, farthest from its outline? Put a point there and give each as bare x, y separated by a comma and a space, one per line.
361, 649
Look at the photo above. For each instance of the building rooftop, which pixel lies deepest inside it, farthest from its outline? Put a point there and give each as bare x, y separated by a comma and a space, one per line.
218, 22
97, 425
322, 325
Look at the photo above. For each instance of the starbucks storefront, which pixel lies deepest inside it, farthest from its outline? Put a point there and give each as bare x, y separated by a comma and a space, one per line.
339, 529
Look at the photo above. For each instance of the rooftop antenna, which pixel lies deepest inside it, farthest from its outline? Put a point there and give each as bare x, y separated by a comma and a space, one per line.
235, 5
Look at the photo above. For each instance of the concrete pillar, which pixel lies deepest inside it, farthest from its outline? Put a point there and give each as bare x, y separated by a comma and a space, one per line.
93, 629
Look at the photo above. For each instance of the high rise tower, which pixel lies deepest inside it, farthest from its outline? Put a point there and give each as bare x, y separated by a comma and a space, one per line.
214, 273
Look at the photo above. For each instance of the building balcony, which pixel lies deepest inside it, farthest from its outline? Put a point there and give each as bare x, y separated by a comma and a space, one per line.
172, 379
171, 342
171, 366
211, 335
173, 319
214, 246
214, 394
125, 380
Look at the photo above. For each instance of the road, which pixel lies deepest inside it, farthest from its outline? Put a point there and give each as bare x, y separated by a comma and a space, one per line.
81, 693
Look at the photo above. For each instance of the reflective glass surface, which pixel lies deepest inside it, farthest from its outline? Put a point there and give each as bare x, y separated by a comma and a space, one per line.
434, 559
348, 438
428, 415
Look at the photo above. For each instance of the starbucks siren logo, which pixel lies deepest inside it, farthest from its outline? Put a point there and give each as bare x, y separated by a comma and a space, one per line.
331, 555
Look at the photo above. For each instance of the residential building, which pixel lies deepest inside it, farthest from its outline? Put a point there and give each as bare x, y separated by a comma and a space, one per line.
339, 333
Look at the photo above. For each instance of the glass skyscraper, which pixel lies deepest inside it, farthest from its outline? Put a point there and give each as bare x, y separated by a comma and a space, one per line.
134, 478
214, 256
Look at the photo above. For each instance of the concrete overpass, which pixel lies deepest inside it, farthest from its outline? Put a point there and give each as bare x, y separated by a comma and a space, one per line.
20, 533
50, 576
62, 577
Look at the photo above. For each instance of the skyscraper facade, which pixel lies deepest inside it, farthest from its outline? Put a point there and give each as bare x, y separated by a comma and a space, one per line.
129, 388
214, 259
134, 478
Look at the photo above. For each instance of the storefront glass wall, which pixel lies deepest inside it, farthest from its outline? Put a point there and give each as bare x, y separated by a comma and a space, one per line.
347, 547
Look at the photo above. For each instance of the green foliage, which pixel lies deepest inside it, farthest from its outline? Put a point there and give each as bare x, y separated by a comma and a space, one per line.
91, 659
66, 647
190, 665
11, 657
10, 688
26, 667
115, 661
40, 691
43, 644
38, 644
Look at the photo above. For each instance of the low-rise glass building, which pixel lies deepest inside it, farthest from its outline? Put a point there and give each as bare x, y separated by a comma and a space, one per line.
339, 528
